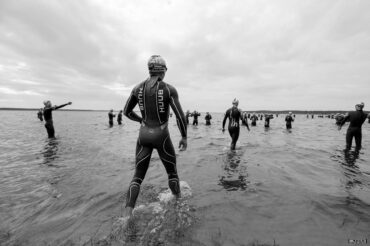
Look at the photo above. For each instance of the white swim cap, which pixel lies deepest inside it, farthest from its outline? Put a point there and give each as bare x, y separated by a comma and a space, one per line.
235, 101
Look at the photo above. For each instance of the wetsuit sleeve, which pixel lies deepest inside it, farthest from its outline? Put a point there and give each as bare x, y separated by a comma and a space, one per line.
224, 121
129, 107
176, 107
60, 106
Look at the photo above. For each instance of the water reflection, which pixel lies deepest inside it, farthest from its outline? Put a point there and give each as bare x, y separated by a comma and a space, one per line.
351, 171
234, 172
50, 151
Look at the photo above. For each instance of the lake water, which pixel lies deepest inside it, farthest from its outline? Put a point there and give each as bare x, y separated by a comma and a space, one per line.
278, 187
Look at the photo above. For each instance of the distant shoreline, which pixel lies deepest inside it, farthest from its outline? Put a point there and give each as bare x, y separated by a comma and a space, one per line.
256, 111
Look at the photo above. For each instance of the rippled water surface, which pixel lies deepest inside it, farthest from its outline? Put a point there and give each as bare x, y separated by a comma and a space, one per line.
279, 187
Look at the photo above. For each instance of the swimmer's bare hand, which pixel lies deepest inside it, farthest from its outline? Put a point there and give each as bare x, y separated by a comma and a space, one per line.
183, 144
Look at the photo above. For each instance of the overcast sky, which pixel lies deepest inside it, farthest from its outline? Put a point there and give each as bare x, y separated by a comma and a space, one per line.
277, 54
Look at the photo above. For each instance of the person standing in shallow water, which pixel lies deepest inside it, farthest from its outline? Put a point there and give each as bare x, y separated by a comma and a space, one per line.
187, 115
111, 115
48, 116
234, 115
356, 119
254, 119
195, 115
119, 117
208, 118
289, 119
154, 97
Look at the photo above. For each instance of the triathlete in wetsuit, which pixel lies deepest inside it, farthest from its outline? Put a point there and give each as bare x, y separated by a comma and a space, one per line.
356, 119
119, 117
110, 117
187, 115
154, 98
49, 117
289, 119
254, 118
195, 118
208, 119
234, 115
268, 117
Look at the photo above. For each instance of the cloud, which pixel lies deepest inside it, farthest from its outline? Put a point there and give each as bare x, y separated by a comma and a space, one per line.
267, 53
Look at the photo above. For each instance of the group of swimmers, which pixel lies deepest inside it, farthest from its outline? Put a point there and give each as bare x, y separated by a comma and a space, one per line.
111, 116
155, 98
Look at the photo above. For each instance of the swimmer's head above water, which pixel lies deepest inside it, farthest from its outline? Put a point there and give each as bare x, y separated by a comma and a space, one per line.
235, 102
47, 103
360, 106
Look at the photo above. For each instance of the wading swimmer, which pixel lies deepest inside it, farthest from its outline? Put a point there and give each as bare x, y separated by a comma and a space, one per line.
195, 115
154, 98
119, 117
289, 119
234, 115
187, 115
254, 119
356, 119
111, 115
48, 116
208, 119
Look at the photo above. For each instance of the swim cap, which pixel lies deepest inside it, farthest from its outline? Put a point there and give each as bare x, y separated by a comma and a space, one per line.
157, 64
235, 101
360, 105
46, 102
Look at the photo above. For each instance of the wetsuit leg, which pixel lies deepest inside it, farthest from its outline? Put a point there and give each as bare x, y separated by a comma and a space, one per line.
358, 139
349, 137
234, 134
288, 126
143, 154
167, 154
50, 130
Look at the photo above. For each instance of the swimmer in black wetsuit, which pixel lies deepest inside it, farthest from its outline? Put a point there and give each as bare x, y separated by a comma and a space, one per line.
49, 117
119, 117
254, 118
187, 115
208, 119
195, 115
356, 119
39, 115
110, 117
154, 98
289, 119
234, 115
268, 117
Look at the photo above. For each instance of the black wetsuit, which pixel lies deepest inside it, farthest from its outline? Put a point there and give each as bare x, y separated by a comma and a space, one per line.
154, 103
288, 120
208, 119
48, 116
356, 119
187, 118
195, 118
111, 116
254, 118
119, 119
234, 115
267, 121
